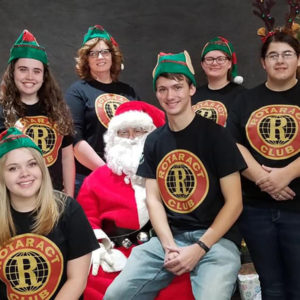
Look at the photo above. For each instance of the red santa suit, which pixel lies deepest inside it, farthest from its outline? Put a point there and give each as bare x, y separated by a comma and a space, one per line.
110, 196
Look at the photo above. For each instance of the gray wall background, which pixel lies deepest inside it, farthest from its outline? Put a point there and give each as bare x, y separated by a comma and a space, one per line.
142, 28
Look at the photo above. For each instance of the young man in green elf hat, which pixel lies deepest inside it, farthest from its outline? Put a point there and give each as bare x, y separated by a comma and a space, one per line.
191, 166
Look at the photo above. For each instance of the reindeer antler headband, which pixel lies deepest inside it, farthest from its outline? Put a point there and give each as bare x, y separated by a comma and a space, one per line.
264, 12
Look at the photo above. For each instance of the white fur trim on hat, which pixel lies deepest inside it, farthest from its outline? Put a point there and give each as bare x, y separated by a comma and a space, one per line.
132, 118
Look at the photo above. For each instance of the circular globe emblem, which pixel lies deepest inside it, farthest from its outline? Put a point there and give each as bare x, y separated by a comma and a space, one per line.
106, 106
208, 113
278, 137
180, 181
183, 181
44, 136
110, 108
273, 131
31, 267
27, 257
213, 110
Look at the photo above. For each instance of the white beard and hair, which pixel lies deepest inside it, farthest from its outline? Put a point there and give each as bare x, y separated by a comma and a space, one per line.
123, 156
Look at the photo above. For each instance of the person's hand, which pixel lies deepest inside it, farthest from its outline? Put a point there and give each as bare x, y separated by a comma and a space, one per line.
186, 259
99, 256
171, 253
275, 180
283, 195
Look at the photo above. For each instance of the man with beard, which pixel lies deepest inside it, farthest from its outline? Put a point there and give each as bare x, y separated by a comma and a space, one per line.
114, 199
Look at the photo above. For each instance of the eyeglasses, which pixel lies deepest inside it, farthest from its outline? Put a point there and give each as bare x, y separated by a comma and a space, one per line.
131, 132
103, 52
220, 60
286, 55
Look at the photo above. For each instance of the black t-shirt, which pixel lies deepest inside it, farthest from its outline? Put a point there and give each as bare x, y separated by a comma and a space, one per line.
267, 123
37, 125
93, 104
34, 265
188, 165
216, 104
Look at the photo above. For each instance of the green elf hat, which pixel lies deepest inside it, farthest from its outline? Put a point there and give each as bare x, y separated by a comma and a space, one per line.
97, 31
26, 46
13, 138
221, 44
179, 63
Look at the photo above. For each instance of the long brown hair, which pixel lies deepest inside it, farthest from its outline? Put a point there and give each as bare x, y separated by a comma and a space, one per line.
82, 64
50, 97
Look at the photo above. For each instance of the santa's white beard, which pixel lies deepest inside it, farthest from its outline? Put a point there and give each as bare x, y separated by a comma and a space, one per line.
124, 156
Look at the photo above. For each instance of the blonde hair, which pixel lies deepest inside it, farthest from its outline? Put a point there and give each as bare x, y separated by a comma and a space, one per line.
49, 204
82, 64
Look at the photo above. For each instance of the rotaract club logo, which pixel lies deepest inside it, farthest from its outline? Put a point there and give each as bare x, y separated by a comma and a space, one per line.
273, 131
106, 106
182, 180
44, 134
31, 267
213, 110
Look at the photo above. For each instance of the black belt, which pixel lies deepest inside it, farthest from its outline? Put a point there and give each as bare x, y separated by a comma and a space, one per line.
123, 237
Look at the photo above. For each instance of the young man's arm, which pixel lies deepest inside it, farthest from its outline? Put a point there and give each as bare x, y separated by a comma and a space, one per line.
189, 256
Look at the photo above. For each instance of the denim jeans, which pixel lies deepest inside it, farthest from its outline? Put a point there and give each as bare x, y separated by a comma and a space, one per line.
273, 239
79, 178
214, 277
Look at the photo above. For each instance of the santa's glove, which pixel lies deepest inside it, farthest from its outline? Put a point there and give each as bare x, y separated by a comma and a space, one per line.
110, 260
99, 256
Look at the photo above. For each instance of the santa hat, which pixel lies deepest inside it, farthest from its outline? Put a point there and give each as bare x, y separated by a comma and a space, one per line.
179, 63
221, 44
13, 138
136, 114
97, 31
26, 46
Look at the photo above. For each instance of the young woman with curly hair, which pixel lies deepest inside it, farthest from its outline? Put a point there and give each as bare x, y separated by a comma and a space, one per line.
32, 101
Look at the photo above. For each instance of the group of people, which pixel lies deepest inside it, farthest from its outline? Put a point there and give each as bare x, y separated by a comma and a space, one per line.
163, 197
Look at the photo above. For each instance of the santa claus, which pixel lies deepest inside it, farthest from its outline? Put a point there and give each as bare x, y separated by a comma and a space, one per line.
114, 200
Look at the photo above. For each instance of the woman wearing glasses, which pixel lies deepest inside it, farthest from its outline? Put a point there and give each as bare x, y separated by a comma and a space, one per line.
266, 124
94, 99
218, 61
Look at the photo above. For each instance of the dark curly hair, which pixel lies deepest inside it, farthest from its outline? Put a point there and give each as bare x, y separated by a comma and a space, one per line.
82, 65
50, 97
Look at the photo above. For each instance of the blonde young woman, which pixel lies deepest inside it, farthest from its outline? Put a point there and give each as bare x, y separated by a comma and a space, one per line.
45, 238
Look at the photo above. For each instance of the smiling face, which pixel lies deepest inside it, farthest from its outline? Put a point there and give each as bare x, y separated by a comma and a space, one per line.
174, 95
216, 70
28, 77
101, 63
22, 176
281, 70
